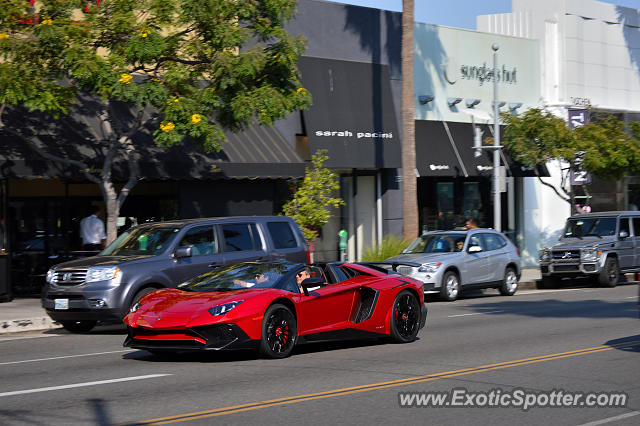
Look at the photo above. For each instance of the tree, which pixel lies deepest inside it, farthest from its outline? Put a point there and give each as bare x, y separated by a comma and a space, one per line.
409, 179
602, 147
310, 204
202, 67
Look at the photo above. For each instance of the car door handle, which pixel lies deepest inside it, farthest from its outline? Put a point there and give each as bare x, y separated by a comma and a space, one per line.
215, 265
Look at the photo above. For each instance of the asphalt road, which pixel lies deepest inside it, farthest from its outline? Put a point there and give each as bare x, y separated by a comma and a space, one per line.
575, 340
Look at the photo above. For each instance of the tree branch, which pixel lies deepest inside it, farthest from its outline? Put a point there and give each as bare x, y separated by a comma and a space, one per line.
563, 197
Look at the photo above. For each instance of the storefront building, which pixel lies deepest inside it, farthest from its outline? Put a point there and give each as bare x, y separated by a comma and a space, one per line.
352, 69
454, 95
589, 65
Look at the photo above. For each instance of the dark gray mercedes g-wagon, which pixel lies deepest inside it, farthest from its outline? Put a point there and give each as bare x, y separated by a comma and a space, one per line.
598, 245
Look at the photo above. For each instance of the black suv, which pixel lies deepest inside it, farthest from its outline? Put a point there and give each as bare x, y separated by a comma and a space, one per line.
596, 245
162, 254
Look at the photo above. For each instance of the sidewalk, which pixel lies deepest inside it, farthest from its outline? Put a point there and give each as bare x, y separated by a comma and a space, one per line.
26, 314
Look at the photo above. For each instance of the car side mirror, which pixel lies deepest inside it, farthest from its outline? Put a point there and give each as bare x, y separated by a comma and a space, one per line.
623, 234
475, 249
312, 283
182, 252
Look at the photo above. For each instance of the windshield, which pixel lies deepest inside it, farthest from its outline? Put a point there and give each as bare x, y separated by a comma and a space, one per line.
143, 240
437, 243
597, 226
243, 276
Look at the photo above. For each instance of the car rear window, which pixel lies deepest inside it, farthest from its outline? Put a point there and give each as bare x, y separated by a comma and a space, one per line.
237, 237
282, 235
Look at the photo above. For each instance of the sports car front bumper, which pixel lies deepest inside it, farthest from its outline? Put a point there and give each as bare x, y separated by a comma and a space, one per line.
208, 338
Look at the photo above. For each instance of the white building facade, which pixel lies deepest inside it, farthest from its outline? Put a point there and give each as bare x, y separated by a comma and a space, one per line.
589, 60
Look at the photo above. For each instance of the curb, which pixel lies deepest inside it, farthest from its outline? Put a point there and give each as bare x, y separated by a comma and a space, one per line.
30, 324
527, 285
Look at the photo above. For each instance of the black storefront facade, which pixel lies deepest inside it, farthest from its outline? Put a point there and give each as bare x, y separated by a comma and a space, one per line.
42, 202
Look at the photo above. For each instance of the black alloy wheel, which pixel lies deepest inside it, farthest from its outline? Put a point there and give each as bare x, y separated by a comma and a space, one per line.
78, 326
279, 332
610, 274
405, 317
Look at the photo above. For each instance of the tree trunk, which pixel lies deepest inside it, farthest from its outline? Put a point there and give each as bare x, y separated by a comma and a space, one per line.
409, 179
113, 211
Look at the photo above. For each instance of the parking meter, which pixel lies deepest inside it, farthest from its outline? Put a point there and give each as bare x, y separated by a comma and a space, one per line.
342, 243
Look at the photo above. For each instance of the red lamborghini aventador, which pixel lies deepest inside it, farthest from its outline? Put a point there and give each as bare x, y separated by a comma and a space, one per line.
274, 306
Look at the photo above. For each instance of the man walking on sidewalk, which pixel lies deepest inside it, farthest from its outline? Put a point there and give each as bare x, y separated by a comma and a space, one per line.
92, 231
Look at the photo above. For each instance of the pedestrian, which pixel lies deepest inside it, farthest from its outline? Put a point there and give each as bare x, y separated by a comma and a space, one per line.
470, 224
92, 231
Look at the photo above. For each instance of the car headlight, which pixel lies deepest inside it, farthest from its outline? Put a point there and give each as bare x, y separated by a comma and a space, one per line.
589, 255
104, 273
50, 274
430, 268
223, 309
134, 307
545, 255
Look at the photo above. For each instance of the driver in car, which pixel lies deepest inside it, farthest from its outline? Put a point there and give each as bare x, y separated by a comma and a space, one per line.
259, 279
301, 276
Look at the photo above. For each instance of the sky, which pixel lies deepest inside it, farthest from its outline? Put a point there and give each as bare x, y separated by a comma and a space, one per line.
456, 13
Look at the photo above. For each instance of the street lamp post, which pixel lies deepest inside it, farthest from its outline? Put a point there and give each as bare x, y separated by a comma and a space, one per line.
497, 210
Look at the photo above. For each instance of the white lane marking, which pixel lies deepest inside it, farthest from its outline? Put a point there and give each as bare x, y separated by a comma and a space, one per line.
612, 419
475, 313
79, 385
6, 339
64, 357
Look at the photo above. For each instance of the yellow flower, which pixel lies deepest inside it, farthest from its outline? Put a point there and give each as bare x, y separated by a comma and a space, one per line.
301, 90
173, 101
4, 36
125, 78
143, 35
47, 21
196, 118
167, 126
157, 80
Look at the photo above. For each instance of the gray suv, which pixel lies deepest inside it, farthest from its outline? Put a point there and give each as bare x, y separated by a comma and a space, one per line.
163, 254
449, 262
596, 245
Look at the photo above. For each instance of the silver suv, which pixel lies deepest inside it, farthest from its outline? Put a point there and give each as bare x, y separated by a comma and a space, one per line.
596, 245
449, 262
164, 254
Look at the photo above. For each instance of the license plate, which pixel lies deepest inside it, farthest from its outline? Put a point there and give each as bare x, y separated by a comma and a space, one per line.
61, 303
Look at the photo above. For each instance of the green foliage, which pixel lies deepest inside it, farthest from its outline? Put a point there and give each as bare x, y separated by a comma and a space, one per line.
313, 198
230, 61
537, 137
391, 246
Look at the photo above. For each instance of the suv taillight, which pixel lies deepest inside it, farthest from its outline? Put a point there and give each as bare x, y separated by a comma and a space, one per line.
517, 251
308, 256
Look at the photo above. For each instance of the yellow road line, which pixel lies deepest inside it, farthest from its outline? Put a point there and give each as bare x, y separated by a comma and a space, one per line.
376, 386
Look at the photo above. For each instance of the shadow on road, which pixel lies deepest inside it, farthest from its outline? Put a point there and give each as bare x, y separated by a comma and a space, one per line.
628, 344
248, 355
97, 406
551, 308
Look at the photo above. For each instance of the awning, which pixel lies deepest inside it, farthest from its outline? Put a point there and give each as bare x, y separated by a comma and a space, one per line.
352, 115
256, 152
446, 149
